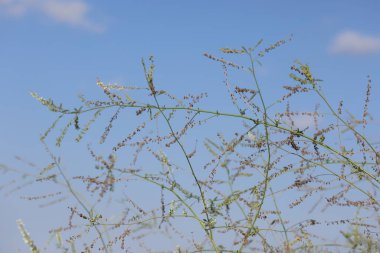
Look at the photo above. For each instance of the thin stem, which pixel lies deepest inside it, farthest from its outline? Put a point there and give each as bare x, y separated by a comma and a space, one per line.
256, 121
71, 189
208, 232
267, 166
343, 121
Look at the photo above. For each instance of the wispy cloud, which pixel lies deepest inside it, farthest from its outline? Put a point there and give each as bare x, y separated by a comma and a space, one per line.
351, 42
303, 121
71, 12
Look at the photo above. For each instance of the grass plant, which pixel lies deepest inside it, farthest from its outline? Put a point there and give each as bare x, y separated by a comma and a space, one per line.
264, 185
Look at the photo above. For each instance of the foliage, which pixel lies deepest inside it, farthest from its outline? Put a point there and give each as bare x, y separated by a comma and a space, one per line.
248, 189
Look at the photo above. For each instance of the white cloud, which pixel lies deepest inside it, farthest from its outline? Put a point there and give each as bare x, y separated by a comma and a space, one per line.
300, 121
350, 42
71, 12
303, 121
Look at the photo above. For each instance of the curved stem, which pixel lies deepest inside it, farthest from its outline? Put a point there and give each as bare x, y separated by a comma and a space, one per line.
208, 231
267, 166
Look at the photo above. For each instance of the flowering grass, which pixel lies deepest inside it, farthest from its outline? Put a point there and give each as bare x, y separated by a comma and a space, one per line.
264, 185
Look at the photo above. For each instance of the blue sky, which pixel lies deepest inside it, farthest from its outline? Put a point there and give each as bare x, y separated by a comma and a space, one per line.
59, 48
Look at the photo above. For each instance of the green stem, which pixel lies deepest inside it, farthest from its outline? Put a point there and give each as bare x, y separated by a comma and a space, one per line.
71, 189
208, 232
267, 166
